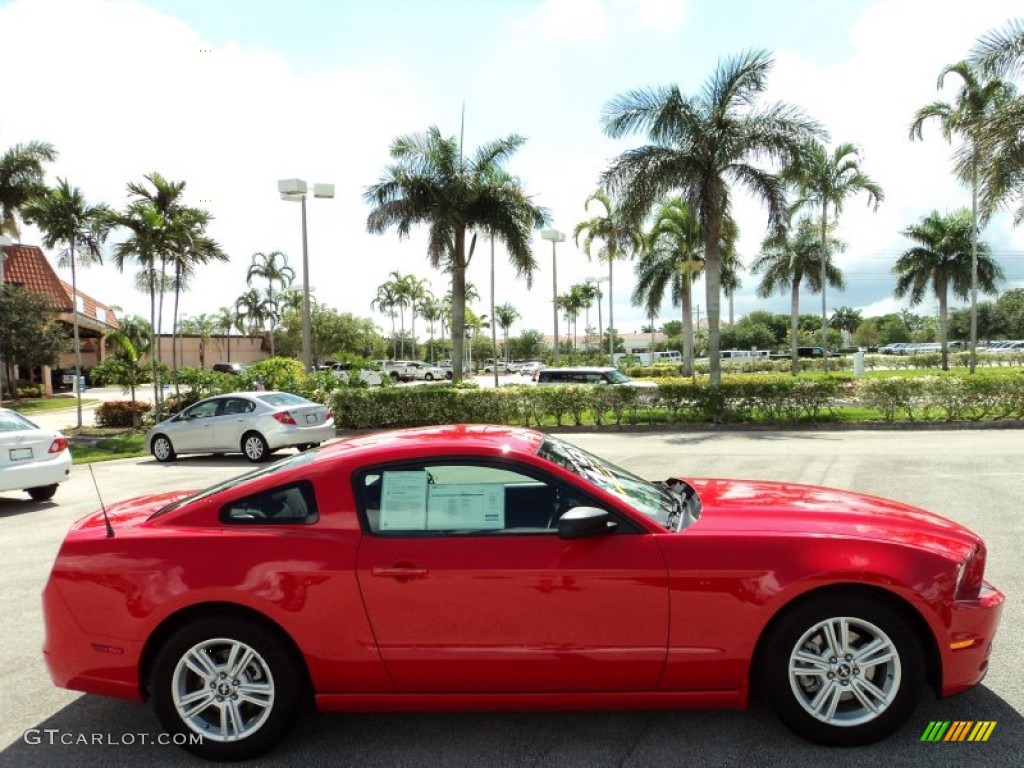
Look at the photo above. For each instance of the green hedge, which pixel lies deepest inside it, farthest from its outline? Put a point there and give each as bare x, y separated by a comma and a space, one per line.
121, 413
769, 399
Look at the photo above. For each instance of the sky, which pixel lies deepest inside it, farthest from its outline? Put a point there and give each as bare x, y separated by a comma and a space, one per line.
230, 96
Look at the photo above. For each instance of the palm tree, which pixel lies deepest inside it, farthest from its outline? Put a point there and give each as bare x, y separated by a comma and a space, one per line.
252, 309
432, 183
65, 217
1001, 52
226, 319
203, 326
193, 249
943, 259
125, 366
846, 319
786, 260
272, 267
588, 294
21, 178
824, 180
416, 290
673, 257
968, 117
153, 218
431, 310
505, 315
385, 302
700, 145
620, 239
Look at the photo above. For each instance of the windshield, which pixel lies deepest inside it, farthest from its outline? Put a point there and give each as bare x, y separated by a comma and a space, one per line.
653, 500
283, 398
289, 462
618, 377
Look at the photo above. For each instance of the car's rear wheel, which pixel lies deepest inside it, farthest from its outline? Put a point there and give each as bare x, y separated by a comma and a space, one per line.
428, 376
255, 447
230, 681
42, 492
162, 449
842, 670
394, 376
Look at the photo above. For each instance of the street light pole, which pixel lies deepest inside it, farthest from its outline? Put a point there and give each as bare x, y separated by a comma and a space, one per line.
555, 237
295, 190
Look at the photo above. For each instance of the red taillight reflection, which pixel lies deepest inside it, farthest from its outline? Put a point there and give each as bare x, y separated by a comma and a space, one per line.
285, 418
58, 445
329, 416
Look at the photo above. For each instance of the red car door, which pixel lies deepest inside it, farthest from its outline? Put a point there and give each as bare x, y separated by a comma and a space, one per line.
512, 607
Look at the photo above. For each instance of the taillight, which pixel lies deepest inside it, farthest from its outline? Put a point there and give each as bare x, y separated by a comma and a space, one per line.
58, 445
972, 573
285, 418
329, 416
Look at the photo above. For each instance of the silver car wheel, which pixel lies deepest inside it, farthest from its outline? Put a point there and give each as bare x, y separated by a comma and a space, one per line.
162, 449
223, 689
845, 671
254, 447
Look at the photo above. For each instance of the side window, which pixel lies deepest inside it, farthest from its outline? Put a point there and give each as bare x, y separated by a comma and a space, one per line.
460, 499
292, 504
204, 410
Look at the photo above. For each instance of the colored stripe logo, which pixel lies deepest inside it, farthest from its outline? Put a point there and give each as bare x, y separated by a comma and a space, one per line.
958, 730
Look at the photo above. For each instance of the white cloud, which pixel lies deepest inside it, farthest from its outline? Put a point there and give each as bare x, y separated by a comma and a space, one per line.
568, 20
665, 16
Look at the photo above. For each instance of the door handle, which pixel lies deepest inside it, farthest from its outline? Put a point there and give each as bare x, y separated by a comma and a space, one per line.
401, 572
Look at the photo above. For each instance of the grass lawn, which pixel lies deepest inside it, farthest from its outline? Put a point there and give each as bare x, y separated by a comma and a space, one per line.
124, 446
36, 404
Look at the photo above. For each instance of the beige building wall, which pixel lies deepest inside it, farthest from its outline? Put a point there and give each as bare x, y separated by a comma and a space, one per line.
244, 349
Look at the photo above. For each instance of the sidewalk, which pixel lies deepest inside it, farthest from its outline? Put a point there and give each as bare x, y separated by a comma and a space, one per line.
67, 418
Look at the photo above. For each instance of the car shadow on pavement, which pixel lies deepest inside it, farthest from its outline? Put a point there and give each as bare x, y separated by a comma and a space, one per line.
96, 731
11, 505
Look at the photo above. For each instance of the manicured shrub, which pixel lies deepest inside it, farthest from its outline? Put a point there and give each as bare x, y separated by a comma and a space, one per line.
121, 413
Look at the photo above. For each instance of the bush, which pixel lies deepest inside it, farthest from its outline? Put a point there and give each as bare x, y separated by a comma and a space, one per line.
121, 413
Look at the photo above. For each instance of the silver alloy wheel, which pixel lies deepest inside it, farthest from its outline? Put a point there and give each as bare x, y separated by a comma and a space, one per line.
845, 671
223, 689
162, 448
255, 447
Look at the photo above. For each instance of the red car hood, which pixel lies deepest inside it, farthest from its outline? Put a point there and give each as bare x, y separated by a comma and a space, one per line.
128, 513
758, 506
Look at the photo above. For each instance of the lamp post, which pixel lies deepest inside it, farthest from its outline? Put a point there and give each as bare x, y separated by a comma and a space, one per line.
4, 240
295, 190
600, 333
555, 237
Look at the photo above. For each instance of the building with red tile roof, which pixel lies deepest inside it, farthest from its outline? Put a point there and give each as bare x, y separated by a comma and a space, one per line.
27, 266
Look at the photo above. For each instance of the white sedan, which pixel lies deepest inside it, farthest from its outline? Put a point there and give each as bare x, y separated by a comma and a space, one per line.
32, 459
253, 423
426, 371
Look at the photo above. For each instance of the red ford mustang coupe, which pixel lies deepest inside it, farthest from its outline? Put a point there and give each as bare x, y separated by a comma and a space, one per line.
464, 567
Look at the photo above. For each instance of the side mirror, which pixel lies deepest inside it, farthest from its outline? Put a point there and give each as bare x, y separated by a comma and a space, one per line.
585, 522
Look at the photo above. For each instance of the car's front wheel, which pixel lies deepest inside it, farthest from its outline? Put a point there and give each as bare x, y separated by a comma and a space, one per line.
42, 492
428, 377
255, 447
842, 669
229, 681
162, 448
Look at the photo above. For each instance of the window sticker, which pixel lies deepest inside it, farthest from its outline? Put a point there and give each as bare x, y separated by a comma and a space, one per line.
478, 506
403, 501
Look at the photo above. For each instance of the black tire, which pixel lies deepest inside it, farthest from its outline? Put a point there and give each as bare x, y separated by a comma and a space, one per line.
394, 376
428, 377
162, 448
847, 674
42, 492
449, 375
262, 724
255, 447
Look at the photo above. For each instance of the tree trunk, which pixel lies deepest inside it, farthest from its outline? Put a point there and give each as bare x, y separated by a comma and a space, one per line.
686, 288
174, 329
794, 319
78, 345
153, 341
940, 294
713, 283
824, 285
974, 260
611, 319
458, 303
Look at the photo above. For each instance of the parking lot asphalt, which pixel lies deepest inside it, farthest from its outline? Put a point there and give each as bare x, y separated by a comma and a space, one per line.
974, 477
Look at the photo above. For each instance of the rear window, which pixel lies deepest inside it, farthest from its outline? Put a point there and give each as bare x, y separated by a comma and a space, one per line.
282, 398
14, 422
293, 504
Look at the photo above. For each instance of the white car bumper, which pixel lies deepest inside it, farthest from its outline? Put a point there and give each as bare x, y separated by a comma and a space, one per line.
32, 474
301, 435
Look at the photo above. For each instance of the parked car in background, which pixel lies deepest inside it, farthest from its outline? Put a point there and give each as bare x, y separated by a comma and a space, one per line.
490, 364
591, 375
446, 366
469, 567
32, 459
253, 423
530, 368
232, 368
343, 371
426, 371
